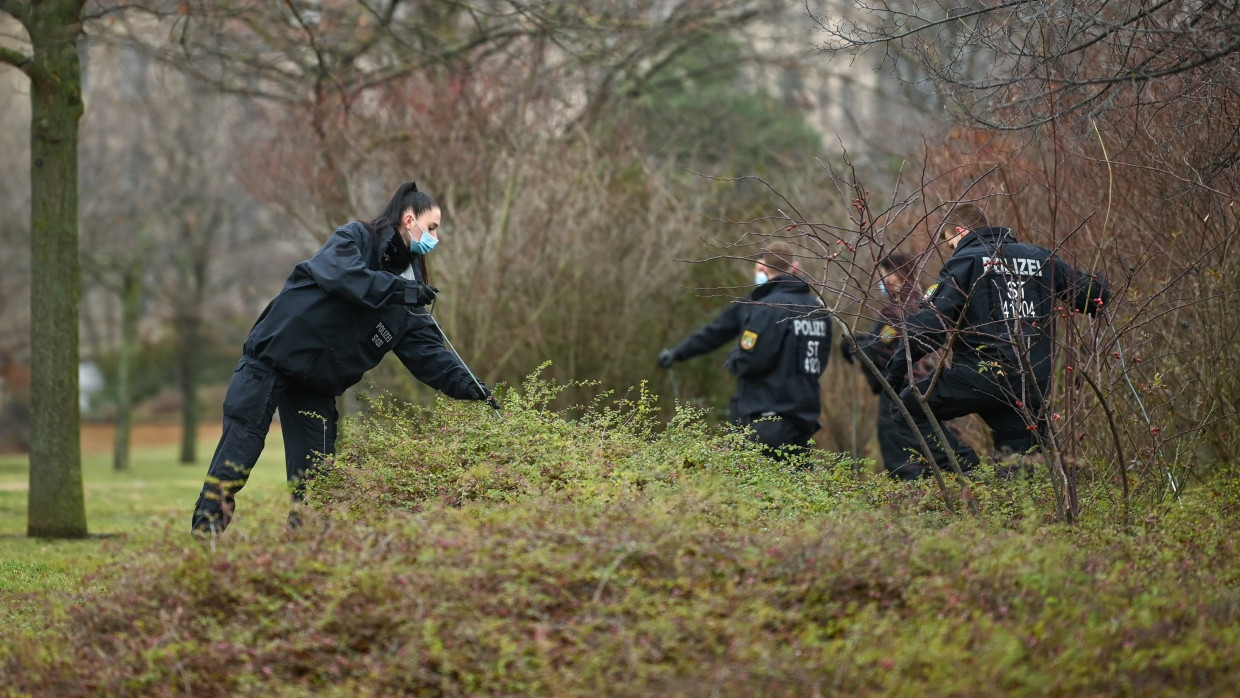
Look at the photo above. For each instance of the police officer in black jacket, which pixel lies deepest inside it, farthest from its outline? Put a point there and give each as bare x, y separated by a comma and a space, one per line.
896, 287
994, 305
360, 296
784, 340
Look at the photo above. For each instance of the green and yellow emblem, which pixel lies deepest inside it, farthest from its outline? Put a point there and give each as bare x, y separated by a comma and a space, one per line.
930, 292
888, 334
749, 339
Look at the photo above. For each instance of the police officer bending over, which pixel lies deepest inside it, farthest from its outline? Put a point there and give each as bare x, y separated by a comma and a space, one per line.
784, 339
896, 286
1003, 295
359, 297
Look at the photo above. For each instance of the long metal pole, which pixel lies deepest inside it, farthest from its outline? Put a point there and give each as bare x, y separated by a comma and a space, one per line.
490, 398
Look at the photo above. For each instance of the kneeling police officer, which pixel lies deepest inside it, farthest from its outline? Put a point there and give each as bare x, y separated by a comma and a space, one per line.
897, 286
995, 303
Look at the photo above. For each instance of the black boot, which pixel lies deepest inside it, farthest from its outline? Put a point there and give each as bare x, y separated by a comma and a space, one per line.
211, 516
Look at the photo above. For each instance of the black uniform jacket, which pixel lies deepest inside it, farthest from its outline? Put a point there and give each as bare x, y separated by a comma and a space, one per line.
340, 311
879, 344
1003, 295
783, 339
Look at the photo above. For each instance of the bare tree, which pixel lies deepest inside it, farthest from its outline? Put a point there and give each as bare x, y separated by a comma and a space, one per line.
161, 161
14, 219
51, 62
349, 97
1078, 64
1108, 129
327, 61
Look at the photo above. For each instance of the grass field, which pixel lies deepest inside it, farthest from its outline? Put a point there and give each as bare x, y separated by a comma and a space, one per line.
122, 508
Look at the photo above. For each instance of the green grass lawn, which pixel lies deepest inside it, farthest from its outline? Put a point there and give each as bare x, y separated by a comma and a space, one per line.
122, 509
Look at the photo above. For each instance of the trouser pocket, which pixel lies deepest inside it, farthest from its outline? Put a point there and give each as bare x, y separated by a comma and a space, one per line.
248, 400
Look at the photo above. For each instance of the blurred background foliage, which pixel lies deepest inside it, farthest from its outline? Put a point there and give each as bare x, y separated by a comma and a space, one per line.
586, 204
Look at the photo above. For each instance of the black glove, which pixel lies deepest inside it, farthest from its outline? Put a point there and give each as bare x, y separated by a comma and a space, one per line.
417, 293
849, 350
666, 358
897, 372
478, 391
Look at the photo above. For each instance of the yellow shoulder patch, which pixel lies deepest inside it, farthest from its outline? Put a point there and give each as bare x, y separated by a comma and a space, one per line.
888, 334
749, 339
930, 292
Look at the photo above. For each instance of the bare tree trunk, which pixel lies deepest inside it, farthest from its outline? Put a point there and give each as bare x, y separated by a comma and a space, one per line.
332, 193
190, 330
131, 298
189, 404
57, 506
332, 183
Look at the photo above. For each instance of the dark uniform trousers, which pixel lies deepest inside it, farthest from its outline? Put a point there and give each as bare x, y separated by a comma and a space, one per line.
307, 419
961, 390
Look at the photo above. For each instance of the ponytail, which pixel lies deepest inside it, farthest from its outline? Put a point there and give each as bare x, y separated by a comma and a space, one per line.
407, 197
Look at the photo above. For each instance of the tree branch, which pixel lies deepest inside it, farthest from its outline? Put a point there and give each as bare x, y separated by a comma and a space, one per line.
15, 58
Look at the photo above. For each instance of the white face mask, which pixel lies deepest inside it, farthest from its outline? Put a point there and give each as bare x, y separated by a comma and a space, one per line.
882, 289
759, 278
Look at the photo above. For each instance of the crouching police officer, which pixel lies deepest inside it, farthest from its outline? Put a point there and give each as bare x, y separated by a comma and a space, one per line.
999, 298
360, 296
785, 338
896, 286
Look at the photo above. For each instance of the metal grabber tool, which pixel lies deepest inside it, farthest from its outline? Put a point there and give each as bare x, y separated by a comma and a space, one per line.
491, 398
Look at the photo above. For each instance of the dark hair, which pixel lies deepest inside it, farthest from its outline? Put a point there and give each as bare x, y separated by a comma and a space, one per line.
902, 266
778, 256
895, 261
967, 216
406, 197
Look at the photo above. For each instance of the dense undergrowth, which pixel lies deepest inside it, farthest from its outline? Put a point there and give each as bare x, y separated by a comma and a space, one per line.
451, 552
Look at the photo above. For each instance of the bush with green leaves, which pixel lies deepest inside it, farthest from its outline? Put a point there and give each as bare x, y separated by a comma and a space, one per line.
616, 448
590, 551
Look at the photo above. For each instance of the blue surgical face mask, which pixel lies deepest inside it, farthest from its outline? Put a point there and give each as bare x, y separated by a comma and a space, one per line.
424, 244
760, 278
882, 288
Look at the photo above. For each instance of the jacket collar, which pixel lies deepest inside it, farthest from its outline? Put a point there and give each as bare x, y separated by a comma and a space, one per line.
986, 237
786, 283
396, 254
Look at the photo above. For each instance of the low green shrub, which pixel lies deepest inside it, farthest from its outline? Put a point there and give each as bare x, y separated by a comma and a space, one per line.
450, 552
404, 457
